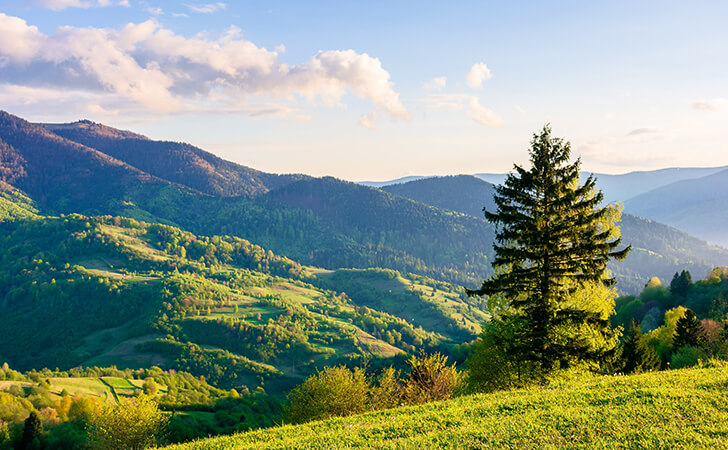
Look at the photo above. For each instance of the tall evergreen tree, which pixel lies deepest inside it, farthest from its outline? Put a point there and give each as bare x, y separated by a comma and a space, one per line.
637, 354
32, 430
551, 241
688, 331
680, 284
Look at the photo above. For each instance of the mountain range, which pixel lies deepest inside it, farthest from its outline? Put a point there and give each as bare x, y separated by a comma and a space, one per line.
435, 230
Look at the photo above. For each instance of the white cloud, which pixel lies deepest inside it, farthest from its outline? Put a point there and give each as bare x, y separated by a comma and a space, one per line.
155, 10
716, 104
520, 110
435, 84
207, 8
483, 115
58, 5
368, 120
163, 71
452, 102
643, 131
477, 75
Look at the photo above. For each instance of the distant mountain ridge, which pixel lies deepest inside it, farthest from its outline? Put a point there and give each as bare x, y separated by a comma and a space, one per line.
621, 187
698, 206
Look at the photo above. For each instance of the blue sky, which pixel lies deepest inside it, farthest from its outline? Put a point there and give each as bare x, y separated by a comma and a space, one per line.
378, 90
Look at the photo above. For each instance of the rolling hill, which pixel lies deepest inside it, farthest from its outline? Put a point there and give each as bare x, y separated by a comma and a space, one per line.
102, 291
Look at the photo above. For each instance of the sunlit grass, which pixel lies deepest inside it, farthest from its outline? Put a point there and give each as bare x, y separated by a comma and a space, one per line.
672, 409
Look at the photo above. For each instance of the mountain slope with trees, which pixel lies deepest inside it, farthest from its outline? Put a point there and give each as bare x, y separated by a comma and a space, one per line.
658, 250
324, 222
101, 291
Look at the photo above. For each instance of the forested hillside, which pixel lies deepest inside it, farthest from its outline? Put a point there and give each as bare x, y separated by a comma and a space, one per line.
657, 249
100, 291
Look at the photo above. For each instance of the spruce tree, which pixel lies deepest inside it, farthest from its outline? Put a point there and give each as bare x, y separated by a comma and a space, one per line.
680, 284
688, 331
637, 354
551, 241
32, 430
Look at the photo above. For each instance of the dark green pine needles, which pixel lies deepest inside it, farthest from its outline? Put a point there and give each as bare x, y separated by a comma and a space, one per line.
552, 238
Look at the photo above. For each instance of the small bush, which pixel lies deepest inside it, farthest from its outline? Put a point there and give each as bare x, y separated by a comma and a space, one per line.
335, 391
687, 356
431, 379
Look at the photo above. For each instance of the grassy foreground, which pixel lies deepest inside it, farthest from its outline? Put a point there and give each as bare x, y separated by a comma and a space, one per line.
674, 409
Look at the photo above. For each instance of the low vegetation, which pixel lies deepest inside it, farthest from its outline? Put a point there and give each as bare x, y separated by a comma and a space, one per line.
667, 409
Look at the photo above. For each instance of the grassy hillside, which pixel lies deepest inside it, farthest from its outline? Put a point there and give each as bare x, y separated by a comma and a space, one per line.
101, 291
670, 409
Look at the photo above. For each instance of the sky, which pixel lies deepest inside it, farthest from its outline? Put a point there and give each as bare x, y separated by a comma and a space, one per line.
381, 89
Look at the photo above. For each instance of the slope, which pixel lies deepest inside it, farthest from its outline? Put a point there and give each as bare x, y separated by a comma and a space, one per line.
658, 250
670, 409
174, 161
100, 291
698, 206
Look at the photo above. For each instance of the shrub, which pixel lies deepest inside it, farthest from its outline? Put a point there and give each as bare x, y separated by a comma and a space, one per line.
688, 356
135, 423
335, 391
431, 379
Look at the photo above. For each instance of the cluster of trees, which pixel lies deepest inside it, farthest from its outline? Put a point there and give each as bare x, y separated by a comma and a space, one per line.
170, 406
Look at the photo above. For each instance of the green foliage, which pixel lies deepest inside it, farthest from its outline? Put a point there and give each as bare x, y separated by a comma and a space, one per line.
335, 391
135, 423
431, 379
688, 356
553, 238
637, 354
32, 430
494, 362
689, 331
680, 284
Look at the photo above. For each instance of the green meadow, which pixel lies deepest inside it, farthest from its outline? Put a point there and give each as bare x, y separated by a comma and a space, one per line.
669, 409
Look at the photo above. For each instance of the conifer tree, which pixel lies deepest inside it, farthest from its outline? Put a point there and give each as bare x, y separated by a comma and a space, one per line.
680, 284
637, 354
688, 331
550, 241
32, 430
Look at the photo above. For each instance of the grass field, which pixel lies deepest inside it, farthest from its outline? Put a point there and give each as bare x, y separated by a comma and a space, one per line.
672, 409
108, 389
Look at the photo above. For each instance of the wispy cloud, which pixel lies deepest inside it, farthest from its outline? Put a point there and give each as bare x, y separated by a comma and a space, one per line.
162, 71
477, 75
368, 120
716, 104
483, 115
643, 131
58, 5
451, 102
435, 84
207, 8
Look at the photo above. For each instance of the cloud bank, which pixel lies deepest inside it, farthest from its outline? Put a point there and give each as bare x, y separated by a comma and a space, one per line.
159, 70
